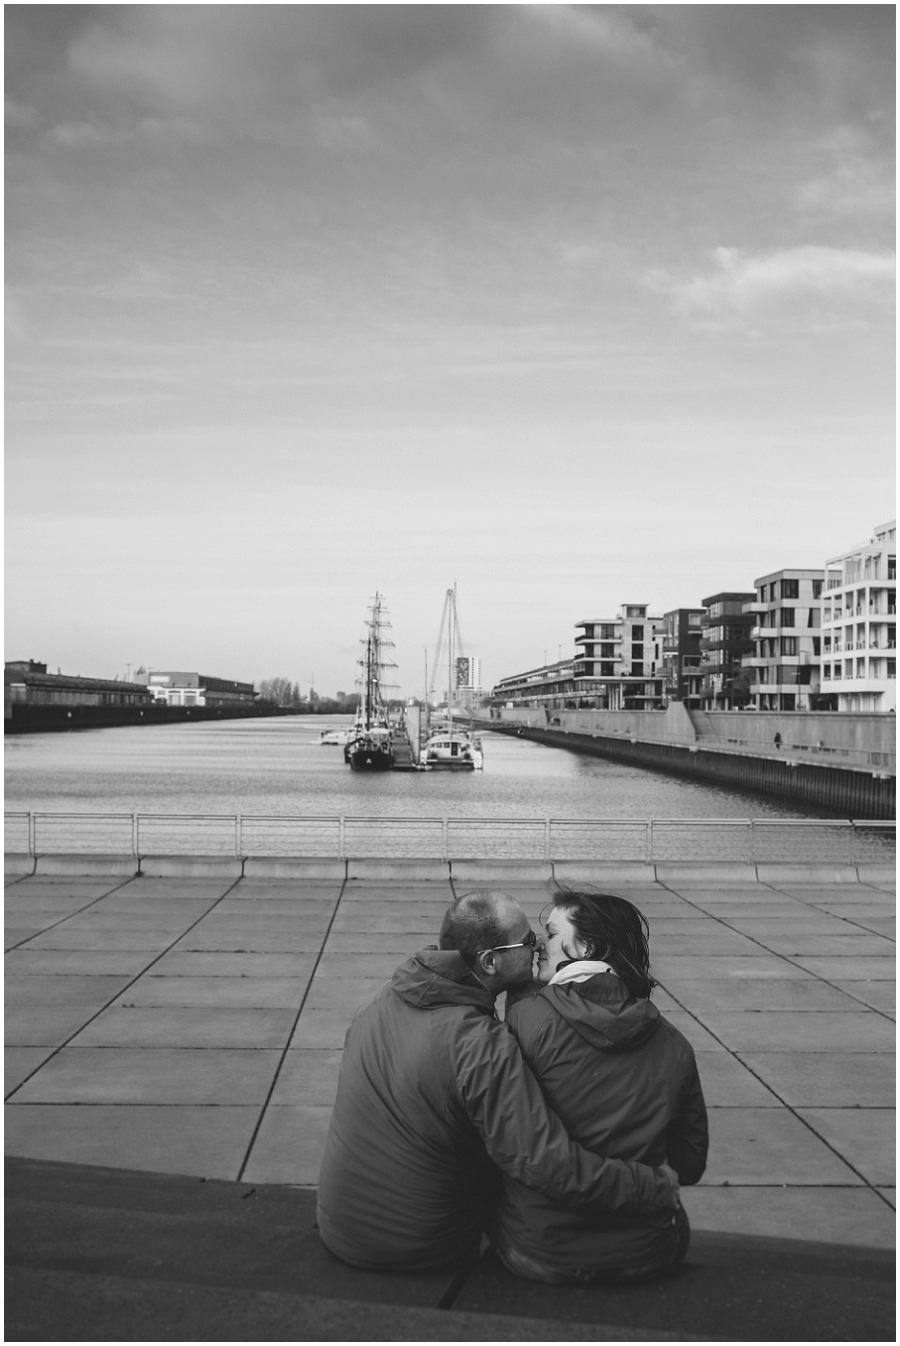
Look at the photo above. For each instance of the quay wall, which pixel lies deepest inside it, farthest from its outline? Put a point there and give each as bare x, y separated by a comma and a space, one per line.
852, 732
27, 718
848, 791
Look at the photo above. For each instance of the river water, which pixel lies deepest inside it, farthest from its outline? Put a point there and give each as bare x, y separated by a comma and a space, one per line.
278, 766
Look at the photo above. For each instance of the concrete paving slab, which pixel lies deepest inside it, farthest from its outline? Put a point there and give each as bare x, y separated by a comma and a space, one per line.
828, 1078
771, 911
19, 1062
222, 992
700, 1039
438, 895
816, 892
70, 990
848, 968
69, 883
354, 965
61, 904
812, 922
178, 885
205, 1141
87, 962
880, 995
126, 939
805, 874
680, 874
153, 1075
799, 944
422, 919
727, 1083
888, 1193
44, 1025
673, 968
878, 925
17, 865
606, 874
314, 920
499, 873
843, 1215
322, 1028
865, 1138
218, 964
308, 1076
330, 993
20, 934
268, 890
858, 911
767, 995
19, 925
288, 908
770, 1146
170, 923
289, 1146
718, 941
399, 944
198, 1026
391, 871
816, 1031
83, 866
216, 938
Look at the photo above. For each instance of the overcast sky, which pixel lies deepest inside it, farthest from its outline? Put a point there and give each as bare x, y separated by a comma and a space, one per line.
575, 306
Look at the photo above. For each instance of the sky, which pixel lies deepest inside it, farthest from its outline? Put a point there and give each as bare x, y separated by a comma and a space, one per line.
570, 306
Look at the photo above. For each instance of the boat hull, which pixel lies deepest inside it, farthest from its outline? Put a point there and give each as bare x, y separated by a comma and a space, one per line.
363, 756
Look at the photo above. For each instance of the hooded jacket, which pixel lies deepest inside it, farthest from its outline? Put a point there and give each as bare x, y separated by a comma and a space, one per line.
433, 1091
625, 1083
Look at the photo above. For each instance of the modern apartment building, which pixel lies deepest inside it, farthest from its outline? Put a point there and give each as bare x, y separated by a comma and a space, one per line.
618, 661
787, 640
682, 629
859, 624
724, 643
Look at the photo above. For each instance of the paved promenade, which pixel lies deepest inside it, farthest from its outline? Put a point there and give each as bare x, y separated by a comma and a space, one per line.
186, 1023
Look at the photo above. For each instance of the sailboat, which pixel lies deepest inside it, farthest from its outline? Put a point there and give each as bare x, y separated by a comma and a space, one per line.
449, 746
370, 747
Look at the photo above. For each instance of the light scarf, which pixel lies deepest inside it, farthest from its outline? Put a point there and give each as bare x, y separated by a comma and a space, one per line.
580, 970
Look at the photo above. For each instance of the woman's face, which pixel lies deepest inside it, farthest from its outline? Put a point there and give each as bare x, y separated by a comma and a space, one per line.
560, 943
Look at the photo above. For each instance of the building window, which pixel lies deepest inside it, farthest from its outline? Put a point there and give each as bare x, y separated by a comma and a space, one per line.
786, 617
817, 588
892, 568
790, 588
789, 645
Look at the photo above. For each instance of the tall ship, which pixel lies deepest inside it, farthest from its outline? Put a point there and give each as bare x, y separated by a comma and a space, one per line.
449, 745
371, 744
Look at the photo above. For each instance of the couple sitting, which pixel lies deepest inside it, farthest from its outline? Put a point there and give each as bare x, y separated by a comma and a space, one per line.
563, 1133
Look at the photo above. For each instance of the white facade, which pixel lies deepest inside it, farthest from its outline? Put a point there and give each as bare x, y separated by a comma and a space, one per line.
618, 660
787, 639
859, 624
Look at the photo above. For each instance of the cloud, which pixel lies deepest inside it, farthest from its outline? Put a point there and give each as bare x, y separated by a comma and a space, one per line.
742, 283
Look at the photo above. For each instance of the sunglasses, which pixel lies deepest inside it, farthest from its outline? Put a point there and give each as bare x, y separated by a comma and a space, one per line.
529, 942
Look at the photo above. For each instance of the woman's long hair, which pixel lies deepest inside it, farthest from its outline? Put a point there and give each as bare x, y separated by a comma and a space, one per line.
613, 930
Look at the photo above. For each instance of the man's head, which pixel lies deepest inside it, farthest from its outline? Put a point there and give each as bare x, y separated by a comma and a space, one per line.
491, 932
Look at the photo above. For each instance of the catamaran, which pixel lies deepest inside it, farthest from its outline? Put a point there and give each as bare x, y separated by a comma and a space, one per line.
371, 747
449, 746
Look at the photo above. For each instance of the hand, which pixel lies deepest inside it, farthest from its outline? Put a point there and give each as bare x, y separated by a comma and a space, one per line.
673, 1179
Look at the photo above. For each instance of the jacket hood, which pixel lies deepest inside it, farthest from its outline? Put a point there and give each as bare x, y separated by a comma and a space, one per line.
437, 977
601, 1011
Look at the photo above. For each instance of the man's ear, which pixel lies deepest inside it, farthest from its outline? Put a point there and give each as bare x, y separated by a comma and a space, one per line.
487, 963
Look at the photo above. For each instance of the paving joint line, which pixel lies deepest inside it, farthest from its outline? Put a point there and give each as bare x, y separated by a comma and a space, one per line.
287, 1046
791, 1108
103, 1008
69, 914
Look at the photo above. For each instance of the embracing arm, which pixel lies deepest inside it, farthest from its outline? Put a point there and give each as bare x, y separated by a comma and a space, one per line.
526, 1139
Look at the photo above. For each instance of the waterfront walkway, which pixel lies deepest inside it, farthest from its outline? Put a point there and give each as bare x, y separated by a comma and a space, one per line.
190, 1022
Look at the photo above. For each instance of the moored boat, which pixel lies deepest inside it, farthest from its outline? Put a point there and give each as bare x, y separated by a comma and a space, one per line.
449, 746
370, 746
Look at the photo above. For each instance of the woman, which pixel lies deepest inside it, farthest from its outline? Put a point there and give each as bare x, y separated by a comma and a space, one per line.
623, 1080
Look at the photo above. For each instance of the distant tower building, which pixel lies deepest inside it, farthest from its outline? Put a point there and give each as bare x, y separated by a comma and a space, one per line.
468, 680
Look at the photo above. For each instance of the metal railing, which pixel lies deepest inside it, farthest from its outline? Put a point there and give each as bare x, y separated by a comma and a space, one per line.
346, 837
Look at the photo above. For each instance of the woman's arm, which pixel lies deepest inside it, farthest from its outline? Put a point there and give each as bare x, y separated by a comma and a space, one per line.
687, 1137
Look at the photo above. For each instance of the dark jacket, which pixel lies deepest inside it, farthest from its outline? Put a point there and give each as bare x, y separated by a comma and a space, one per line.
431, 1088
625, 1083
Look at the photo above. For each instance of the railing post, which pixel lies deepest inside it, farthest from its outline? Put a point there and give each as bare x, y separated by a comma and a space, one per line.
134, 836
445, 845
547, 839
31, 842
649, 841
752, 841
238, 836
342, 847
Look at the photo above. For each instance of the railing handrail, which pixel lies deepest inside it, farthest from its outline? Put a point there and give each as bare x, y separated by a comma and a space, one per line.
485, 820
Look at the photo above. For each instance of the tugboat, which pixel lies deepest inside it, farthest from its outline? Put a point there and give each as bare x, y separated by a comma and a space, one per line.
371, 747
448, 747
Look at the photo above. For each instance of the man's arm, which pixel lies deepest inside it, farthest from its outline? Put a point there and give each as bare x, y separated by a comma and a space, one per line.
526, 1139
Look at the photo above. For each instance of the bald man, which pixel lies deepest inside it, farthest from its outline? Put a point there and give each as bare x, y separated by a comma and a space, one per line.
434, 1096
